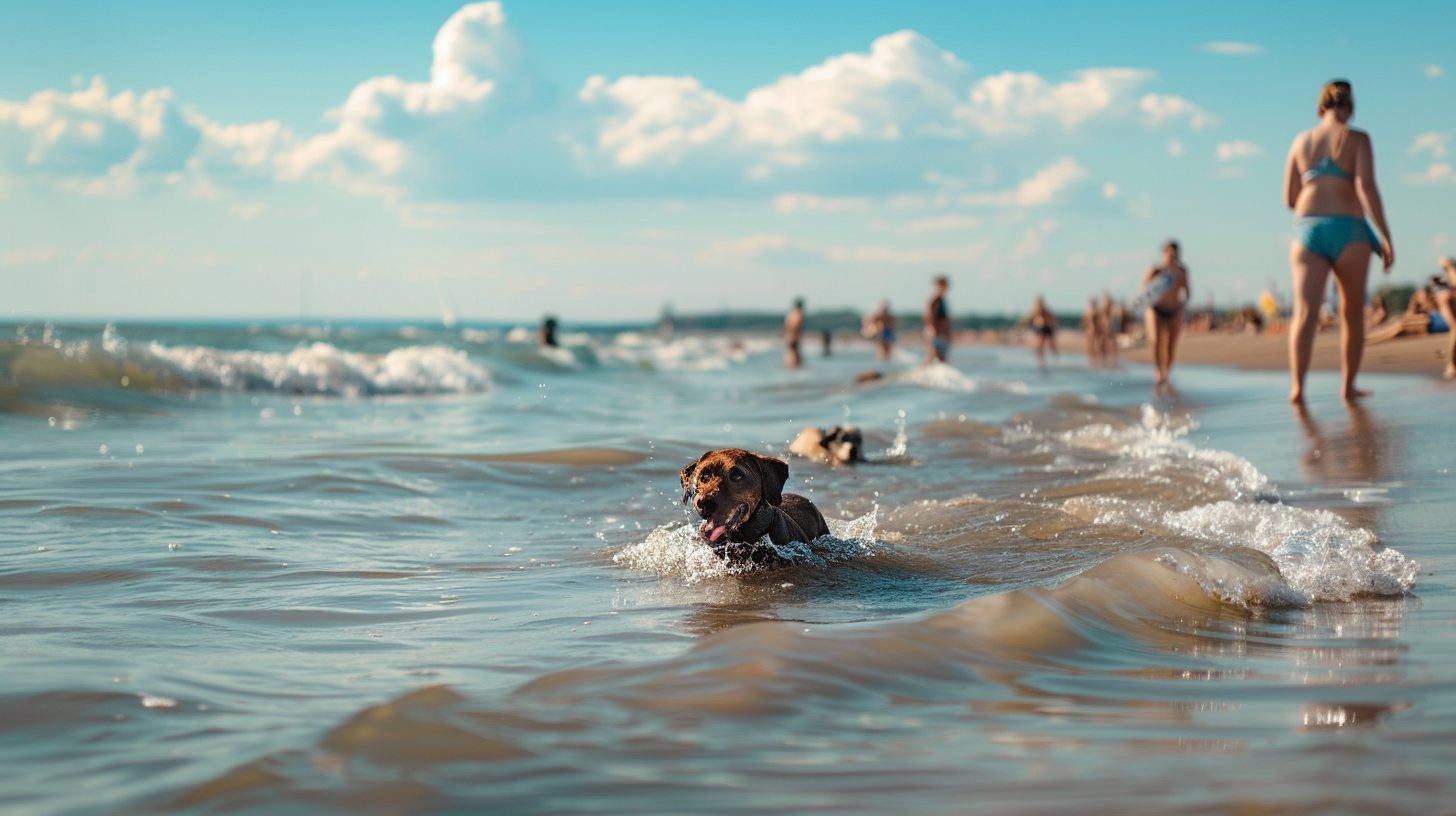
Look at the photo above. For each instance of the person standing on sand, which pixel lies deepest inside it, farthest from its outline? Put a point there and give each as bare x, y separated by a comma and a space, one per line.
1092, 333
1167, 286
1329, 182
1111, 328
937, 322
882, 329
793, 335
1044, 325
1446, 303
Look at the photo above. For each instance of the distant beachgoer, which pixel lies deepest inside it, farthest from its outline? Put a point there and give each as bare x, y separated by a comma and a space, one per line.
1377, 312
1111, 328
1092, 333
881, 325
794, 334
547, 334
826, 341
1044, 324
1446, 305
937, 322
1166, 289
1329, 182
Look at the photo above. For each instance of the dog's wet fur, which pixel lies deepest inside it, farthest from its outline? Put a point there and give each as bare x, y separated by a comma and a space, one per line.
840, 445
739, 495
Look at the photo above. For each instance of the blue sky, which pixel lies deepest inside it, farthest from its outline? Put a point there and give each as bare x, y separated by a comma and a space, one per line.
600, 160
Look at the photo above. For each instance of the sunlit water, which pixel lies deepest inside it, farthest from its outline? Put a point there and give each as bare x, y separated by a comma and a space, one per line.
396, 569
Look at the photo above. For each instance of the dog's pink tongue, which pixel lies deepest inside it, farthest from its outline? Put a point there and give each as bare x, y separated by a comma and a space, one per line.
717, 533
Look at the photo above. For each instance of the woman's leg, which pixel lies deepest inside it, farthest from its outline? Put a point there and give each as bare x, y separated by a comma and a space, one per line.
1173, 328
1155, 341
1352, 269
1310, 272
1446, 302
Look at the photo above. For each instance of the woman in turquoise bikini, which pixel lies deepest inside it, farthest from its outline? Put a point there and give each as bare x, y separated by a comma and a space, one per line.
1329, 182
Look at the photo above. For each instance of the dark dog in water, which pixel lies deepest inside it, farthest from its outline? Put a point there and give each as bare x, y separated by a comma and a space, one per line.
839, 445
739, 495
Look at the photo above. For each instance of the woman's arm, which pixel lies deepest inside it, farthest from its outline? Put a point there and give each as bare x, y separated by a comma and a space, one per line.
1293, 181
1369, 193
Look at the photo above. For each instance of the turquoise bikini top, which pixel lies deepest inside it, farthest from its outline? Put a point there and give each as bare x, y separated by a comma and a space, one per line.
1326, 167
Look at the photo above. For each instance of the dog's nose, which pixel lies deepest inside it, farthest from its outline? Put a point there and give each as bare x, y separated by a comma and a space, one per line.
706, 507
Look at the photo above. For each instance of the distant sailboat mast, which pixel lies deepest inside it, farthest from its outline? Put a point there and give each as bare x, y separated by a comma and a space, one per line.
447, 312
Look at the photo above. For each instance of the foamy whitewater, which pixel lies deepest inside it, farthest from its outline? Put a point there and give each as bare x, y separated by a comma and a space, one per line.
401, 568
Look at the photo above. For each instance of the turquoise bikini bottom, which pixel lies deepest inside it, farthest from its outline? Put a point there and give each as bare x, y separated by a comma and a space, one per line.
1328, 235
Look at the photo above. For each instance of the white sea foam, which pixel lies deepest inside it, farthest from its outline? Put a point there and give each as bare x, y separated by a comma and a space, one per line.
692, 352
322, 368
945, 377
680, 552
1159, 443
1320, 556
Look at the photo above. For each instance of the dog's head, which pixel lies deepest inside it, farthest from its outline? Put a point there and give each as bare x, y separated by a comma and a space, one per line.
726, 487
845, 445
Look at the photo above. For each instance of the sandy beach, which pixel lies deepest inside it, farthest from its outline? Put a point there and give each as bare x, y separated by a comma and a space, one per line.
1406, 355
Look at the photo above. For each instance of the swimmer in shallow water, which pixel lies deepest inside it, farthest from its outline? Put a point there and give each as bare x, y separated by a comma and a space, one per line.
1168, 286
794, 335
937, 322
1044, 325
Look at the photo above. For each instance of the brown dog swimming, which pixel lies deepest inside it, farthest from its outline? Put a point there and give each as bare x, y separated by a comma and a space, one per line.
739, 495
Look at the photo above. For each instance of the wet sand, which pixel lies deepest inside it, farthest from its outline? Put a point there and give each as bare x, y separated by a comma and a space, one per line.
1405, 355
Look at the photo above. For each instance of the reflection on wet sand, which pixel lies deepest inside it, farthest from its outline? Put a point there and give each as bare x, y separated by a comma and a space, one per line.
1355, 460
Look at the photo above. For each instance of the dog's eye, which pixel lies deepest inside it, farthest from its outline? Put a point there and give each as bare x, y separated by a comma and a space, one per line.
735, 475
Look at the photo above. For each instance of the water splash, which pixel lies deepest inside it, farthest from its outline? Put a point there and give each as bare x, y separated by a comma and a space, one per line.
680, 552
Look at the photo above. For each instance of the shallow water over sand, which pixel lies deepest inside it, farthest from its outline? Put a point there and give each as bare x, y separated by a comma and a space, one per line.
399, 569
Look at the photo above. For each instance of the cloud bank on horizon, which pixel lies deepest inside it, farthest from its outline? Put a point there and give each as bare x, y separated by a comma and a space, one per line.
486, 126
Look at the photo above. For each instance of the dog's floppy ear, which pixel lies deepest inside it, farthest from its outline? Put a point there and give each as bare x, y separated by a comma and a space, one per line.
827, 438
688, 474
772, 474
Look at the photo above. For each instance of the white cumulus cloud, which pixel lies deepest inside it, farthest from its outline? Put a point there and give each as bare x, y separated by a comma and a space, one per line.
1437, 173
806, 202
92, 134
1162, 108
940, 223
486, 125
1232, 48
1434, 71
1433, 143
1043, 187
1238, 150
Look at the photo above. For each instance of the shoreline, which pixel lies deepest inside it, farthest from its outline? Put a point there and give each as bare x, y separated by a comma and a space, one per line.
1424, 355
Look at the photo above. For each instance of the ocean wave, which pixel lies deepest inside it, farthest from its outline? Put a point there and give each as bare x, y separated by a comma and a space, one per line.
739, 686
945, 377
309, 368
322, 368
1222, 499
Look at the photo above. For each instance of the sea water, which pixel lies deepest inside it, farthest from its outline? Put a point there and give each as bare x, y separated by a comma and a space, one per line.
391, 568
